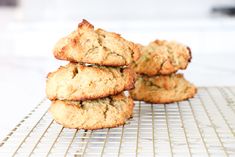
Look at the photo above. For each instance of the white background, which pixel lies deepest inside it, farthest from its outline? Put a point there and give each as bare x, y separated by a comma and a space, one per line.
29, 32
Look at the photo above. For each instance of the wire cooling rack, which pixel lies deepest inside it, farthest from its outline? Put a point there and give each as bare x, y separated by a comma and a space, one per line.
202, 126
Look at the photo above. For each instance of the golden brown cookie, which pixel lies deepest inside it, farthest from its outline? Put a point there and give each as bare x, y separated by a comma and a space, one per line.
81, 82
93, 114
162, 57
162, 89
95, 46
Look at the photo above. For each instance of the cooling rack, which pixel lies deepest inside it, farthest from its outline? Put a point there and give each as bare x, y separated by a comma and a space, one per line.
202, 126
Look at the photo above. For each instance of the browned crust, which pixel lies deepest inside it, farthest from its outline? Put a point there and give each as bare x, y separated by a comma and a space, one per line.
162, 57
66, 117
99, 96
163, 89
91, 128
85, 24
190, 54
167, 101
122, 80
74, 47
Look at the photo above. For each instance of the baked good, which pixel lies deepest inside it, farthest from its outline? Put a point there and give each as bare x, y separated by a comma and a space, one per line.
162, 57
83, 82
106, 112
162, 89
95, 46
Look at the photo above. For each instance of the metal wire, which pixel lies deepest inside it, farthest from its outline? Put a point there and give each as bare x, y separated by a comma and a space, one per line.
199, 130
202, 126
168, 130
184, 130
66, 152
138, 130
214, 127
153, 131
120, 145
58, 135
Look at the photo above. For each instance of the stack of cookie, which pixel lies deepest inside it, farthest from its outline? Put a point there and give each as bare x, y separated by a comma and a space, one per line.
157, 81
87, 93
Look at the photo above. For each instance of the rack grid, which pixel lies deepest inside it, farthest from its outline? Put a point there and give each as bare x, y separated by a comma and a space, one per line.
202, 126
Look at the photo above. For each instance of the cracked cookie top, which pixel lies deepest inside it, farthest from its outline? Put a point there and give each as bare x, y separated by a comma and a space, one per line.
82, 82
106, 112
162, 57
163, 88
95, 46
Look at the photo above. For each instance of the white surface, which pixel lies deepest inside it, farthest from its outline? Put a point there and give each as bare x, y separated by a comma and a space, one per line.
117, 10
203, 35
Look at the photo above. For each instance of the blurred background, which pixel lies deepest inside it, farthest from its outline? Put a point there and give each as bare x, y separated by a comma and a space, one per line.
30, 28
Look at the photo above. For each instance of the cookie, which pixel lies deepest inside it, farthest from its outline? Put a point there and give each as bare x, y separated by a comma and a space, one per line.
93, 114
162, 89
162, 57
95, 46
84, 82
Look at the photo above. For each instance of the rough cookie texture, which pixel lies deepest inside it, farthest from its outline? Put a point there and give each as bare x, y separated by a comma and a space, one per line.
88, 45
81, 82
162, 57
162, 89
93, 114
